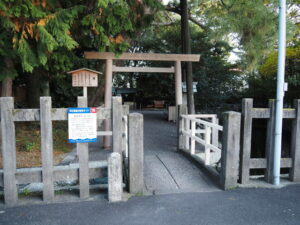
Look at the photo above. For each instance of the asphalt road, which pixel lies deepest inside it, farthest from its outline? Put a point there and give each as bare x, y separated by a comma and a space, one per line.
240, 206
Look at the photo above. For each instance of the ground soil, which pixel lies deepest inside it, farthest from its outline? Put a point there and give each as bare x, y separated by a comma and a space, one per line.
28, 143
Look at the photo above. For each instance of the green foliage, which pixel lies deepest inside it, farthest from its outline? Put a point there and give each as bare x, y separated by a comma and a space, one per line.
25, 192
29, 146
249, 26
263, 85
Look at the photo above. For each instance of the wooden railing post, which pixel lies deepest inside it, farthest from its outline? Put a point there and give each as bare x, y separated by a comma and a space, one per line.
117, 124
247, 106
295, 148
83, 156
47, 148
181, 110
8, 150
136, 153
115, 188
187, 138
207, 141
231, 150
215, 131
269, 142
193, 142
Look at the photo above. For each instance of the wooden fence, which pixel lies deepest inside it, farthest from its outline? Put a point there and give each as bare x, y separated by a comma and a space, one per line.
207, 136
11, 176
247, 163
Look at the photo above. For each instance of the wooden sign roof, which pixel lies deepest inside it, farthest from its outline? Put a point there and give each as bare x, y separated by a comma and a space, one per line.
84, 69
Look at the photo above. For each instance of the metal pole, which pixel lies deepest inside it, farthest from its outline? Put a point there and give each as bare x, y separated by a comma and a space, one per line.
280, 92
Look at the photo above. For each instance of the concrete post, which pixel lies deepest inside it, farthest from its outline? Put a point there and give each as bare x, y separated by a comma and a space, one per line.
136, 153
8, 150
247, 106
117, 124
115, 188
47, 148
270, 142
295, 149
231, 150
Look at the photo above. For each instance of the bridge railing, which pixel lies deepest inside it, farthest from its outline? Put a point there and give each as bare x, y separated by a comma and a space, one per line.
202, 130
221, 160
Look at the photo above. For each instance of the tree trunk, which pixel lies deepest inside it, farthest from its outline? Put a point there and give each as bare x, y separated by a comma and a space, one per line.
186, 49
7, 83
33, 89
45, 86
7, 87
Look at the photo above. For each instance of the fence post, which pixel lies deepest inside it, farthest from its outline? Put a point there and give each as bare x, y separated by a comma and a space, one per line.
136, 153
269, 142
8, 150
117, 124
231, 150
295, 148
181, 110
83, 156
47, 148
115, 188
247, 106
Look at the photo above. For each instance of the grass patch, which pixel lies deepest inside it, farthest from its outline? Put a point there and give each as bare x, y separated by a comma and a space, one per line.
28, 143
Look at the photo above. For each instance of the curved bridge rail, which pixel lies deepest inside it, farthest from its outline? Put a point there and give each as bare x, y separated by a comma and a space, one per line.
204, 130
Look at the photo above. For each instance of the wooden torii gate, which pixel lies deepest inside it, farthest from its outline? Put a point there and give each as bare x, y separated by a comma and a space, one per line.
110, 69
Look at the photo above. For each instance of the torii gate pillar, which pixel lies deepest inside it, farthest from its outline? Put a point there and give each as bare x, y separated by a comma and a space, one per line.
178, 83
107, 100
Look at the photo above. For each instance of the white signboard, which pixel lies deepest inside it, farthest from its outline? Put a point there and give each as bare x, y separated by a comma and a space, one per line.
82, 125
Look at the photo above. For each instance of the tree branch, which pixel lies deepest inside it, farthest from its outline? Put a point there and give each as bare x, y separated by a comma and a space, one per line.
164, 24
177, 10
195, 21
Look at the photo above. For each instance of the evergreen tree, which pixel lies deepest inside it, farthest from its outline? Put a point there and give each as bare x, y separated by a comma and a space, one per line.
44, 38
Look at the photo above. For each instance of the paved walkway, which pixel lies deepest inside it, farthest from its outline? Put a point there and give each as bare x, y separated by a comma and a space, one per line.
241, 206
166, 170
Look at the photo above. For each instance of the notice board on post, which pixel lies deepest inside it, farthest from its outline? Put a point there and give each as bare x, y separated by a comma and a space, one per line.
82, 124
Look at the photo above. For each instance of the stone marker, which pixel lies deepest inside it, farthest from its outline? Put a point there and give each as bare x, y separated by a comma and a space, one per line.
136, 153
115, 188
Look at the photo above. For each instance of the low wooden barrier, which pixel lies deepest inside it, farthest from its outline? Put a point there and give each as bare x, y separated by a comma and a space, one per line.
10, 176
247, 163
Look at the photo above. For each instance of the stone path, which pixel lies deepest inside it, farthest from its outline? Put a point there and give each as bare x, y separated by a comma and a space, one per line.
166, 170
